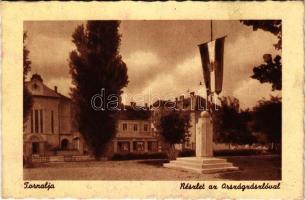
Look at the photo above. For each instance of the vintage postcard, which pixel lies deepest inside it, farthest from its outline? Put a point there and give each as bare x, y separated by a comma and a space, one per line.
152, 100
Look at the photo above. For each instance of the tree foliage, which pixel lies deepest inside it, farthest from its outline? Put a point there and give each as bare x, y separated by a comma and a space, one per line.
230, 124
272, 26
27, 97
271, 70
267, 116
174, 129
95, 65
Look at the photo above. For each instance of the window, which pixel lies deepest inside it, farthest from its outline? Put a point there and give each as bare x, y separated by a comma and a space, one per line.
152, 146
135, 127
145, 127
35, 148
123, 146
41, 122
35, 86
36, 121
124, 127
138, 146
52, 121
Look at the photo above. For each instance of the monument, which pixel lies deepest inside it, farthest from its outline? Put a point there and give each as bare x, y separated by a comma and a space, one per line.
205, 162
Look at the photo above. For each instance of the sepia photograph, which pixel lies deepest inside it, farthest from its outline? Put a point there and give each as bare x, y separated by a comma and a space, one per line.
161, 100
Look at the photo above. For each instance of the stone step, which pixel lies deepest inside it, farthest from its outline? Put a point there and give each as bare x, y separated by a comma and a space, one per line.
202, 165
56, 158
182, 167
217, 170
202, 160
200, 170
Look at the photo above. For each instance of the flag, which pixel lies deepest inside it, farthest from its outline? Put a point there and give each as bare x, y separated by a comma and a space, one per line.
212, 61
205, 60
219, 49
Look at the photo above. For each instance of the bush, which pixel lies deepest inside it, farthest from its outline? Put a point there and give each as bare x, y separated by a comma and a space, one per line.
139, 156
238, 152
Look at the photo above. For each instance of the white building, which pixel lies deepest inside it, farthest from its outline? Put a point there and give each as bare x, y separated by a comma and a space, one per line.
134, 132
49, 127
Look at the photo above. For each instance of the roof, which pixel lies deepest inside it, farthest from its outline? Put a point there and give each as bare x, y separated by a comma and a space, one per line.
162, 103
195, 103
134, 113
48, 92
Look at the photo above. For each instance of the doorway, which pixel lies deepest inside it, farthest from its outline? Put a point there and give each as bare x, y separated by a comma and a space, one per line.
64, 144
35, 148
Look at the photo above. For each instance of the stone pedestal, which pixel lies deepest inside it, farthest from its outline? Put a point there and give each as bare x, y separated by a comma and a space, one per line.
204, 136
204, 162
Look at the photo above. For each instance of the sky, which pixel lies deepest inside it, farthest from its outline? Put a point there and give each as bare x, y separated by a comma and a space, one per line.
162, 57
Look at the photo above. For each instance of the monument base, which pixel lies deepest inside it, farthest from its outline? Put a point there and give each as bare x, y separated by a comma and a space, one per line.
202, 165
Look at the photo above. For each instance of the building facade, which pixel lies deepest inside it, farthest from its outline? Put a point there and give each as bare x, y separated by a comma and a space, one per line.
134, 132
49, 127
134, 136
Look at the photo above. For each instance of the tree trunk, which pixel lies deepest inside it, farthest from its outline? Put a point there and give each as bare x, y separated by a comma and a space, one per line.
171, 152
272, 146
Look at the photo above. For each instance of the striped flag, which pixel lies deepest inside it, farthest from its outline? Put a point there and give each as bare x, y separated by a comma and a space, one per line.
205, 60
212, 61
219, 52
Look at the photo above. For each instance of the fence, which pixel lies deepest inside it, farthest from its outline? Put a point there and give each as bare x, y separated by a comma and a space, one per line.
43, 159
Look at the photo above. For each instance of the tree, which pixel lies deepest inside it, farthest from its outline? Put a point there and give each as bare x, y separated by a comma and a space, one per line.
96, 66
271, 70
272, 26
268, 119
27, 97
174, 129
230, 123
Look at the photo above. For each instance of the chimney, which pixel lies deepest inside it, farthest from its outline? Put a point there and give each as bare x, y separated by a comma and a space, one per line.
146, 106
55, 89
192, 94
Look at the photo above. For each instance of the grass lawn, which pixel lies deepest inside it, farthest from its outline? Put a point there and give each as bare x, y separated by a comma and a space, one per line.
252, 168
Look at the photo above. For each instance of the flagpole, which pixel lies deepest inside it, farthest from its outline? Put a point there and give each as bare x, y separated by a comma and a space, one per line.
209, 96
211, 30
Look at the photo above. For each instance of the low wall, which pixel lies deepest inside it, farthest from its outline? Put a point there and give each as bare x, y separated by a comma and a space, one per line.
73, 158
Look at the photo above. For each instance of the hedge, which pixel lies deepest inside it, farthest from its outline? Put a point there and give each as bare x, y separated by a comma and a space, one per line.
229, 152
139, 156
